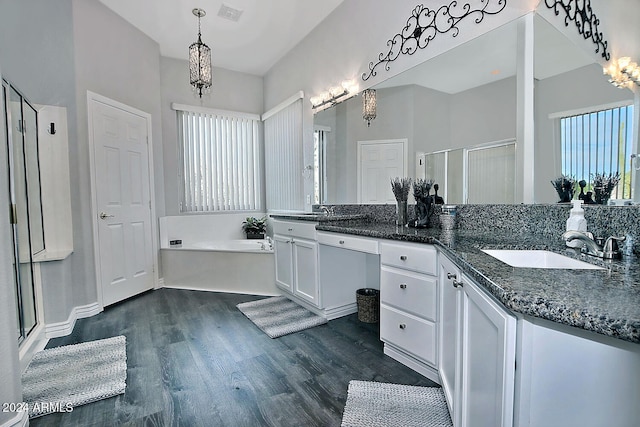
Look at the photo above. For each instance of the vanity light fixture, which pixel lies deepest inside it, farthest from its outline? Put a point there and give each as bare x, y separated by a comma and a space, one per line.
335, 94
369, 106
200, 61
624, 73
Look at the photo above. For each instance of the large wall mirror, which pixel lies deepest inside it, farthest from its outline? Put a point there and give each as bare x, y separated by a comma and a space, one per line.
456, 114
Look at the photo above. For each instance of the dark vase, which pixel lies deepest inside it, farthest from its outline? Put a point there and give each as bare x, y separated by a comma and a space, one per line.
254, 235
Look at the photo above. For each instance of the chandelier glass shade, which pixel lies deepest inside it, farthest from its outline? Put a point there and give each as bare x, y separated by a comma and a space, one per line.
200, 75
369, 105
624, 73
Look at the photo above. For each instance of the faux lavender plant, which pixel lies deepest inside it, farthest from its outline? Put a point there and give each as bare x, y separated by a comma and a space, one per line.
400, 188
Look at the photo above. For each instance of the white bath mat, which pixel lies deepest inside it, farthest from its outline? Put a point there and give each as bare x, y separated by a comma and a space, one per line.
371, 404
60, 378
278, 316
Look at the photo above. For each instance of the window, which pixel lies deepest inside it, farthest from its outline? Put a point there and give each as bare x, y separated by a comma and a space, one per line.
319, 164
491, 173
599, 142
283, 156
221, 167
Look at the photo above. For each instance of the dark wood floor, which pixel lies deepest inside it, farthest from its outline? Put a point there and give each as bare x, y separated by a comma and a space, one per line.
195, 360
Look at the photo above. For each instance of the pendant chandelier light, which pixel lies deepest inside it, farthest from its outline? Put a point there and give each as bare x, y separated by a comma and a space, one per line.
368, 105
200, 61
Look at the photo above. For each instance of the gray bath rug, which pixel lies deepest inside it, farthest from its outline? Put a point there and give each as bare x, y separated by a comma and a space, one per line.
60, 378
372, 404
278, 316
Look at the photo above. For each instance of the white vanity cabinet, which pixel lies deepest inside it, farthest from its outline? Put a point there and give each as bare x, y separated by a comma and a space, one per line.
296, 255
478, 351
346, 264
409, 305
448, 329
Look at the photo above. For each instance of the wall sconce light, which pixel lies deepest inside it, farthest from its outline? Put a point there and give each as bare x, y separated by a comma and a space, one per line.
335, 94
369, 105
624, 73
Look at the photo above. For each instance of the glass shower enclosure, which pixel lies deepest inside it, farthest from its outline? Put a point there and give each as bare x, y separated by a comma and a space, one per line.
25, 210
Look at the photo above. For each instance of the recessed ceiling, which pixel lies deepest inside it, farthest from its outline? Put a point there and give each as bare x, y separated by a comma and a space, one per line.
265, 31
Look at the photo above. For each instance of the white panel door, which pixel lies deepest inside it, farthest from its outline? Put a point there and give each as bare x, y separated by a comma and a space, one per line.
488, 361
450, 327
283, 249
122, 197
378, 162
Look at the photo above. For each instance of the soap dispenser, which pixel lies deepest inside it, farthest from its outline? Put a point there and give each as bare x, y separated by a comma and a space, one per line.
576, 222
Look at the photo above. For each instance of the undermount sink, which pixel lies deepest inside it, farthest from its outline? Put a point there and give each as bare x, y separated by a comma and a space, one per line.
539, 259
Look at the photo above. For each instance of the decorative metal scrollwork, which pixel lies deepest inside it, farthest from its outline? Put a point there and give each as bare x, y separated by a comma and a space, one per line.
425, 24
580, 12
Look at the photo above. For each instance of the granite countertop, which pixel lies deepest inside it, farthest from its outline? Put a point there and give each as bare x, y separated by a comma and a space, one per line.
318, 217
604, 301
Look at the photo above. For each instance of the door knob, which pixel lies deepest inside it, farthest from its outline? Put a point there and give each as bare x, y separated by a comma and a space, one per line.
105, 216
402, 326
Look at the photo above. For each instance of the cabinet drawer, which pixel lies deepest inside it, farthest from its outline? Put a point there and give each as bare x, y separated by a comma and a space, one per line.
417, 257
411, 292
348, 242
304, 229
411, 334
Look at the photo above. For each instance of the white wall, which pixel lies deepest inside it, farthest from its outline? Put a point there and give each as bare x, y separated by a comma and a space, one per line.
115, 60
484, 114
231, 91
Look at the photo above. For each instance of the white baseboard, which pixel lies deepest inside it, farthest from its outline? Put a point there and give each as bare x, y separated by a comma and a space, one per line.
35, 342
160, 283
21, 419
60, 329
226, 291
328, 313
343, 310
411, 362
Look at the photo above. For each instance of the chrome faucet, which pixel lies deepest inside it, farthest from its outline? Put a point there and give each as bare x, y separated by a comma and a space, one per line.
608, 250
327, 211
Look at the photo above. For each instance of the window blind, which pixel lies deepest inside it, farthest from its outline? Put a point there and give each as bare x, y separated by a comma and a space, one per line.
599, 142
283, 158
221, 166
491, 174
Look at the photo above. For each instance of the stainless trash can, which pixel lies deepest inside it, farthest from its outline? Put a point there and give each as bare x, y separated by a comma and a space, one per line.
368, 301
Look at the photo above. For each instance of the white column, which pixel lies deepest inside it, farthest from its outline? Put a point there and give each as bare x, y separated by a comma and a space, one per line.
636, 146
525, 111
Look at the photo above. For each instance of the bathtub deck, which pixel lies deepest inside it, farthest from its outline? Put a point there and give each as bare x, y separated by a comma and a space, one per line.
194, 359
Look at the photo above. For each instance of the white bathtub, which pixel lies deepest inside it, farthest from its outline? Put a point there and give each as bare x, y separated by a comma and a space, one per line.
247, 245
235, 266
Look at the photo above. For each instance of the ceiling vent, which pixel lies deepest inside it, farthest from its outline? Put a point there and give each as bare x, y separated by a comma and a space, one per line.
228, 12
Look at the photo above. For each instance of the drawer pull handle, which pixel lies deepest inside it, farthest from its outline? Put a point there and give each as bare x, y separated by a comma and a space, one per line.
341, 242
402, 326
403, 257
289, 229
451, 276
457, 284
403, 286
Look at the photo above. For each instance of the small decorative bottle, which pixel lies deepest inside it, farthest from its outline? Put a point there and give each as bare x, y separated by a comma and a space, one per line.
576, 222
